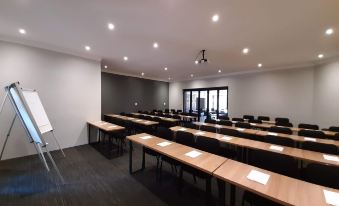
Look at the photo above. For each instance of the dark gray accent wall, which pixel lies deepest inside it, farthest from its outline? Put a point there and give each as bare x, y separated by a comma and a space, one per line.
119, 93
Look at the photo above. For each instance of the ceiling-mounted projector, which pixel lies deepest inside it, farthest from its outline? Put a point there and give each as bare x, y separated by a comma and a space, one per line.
201, 58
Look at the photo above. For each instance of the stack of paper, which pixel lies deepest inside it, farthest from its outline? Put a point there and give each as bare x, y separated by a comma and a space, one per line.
193, 154
272, 133
182, 129
310, 139
227, 138
257, 176
146, 137
331, 198
164, 144
331, 158
277, 148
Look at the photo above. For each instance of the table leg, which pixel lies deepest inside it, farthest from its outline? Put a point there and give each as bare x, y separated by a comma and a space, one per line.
143, 158
232, 197
130, 157
208, 190
221, 189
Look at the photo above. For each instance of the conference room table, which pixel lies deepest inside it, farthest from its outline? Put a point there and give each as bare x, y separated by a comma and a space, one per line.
162, 118
134, 120
263, 134
183, 117
103, 126
300, 154
278, 188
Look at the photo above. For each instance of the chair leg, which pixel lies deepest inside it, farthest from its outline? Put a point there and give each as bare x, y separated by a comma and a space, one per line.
195, 179
208, 190
180, 180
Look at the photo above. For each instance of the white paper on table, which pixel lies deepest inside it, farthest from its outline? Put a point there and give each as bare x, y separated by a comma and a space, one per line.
234, 122
241, 129
257, 176
139, 120
272, 133
217, 125
164, 144
227, 138
146, 137
331, 158
103, 123
253, 124
146, 122
331, 198
113, 126
199, 133
193, 154
130, 118
182, 129
310, 139
277, 148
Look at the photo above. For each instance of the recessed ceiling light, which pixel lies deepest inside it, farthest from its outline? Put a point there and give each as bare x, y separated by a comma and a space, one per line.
110, 26
192, 75
169, 78
196, 62
165, 68
142, 73
105, 66
329, 31
245, 50
88, 48
320, 56
215, 18
219, 71
22, 31
125, 58
155, 45
260, 65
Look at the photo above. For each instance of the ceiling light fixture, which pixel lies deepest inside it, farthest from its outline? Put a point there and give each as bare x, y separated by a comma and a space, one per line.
215, 18
142, 73
125, 58
329, 31
155, 45
192, 75
196, 62
165, 68
105, 66
260, 65
110, 26
22, 31
245, 50
169, 78
219, 71
320, 56
88, 48
201, 57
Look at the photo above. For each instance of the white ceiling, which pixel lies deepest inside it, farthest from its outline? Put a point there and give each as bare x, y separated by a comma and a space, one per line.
279, 33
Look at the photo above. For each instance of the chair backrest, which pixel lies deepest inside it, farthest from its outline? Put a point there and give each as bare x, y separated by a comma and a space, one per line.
208, 128
172, 110
190, 125
122, 113
224, 117
312, 133
333, 129
284, 124
282, 119
149, 118
282, 130
237, 119
179, 110
176, 116
231, 132
156, 119
319, 147
308, 126
212, 121
336, 137
185, 138
225, 122
321, 174
279, 140
264, 118
255, 121
166, 110
274, 162
243, 125
164, 133
146, 112
248, 117
208, 144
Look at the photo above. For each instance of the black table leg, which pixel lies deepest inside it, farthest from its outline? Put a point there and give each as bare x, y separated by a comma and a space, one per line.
143, 158
208, 190
130, 157
221, 189
232, 197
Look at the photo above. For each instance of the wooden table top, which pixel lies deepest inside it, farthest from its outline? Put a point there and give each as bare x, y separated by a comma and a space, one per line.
205, 162
252, 144
133, 119
162, 118
106, 126
279, 188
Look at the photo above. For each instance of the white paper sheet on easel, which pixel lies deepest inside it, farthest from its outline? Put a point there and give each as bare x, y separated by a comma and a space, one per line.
331, 198
259, 177
164, 144
331, 158
193, 154
146, 137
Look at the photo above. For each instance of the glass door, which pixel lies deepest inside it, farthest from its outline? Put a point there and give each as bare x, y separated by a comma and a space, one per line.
187, 101
195, 102
223, 103
213, 104
203, 105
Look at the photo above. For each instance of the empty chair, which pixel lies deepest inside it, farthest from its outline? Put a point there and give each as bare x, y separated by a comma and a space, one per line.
185, 138
225, 122
173, 110
211, 121
238, 119
321, 174
319, 147
164, 133
208, 128
248, 117
230, 132
224, 117
282, 120
279, 140
166, 110
336, 137
264, 118
146, 112
284, 124
176, 116
179, 111
190, 125
148, 118
282, 130
312, 133
257, 121
208, 144
243, 125
122, 113
308, 126
333, 129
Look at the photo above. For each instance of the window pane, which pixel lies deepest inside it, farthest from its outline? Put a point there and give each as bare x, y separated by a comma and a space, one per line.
187, 101
223, 102
195, 95
213, 103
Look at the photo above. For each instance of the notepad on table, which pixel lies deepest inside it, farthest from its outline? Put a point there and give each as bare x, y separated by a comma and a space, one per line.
241, 129
227, 138
146, 137
331, 198
199, 133
182, 129
259, 177
217, 125
331, 158
272, 133
164, 144
193, 154
310, 139
277, 148
139, 120
253, 124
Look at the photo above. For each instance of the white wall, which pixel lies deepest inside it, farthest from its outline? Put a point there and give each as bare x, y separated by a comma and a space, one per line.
307, 95
69, 88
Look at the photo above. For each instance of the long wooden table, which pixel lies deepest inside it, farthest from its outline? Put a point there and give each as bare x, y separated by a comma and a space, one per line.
103, 126
134, 120
252, 144
162, 118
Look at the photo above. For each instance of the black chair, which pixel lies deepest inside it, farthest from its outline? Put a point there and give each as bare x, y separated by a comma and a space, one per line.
333, 129
321, 174
256, 200
279, 140
185, 138
224, 117
225, 122
312, 133
320, 147
230, 132
284, 124
264, 118
336, 137
308, 126
208, 144
282, 120
164, 133
255, 121
282, 130
238, 119
190, 125
122, 113
208, 128
179, 111
166, 110
248, 117
211, 121
243, 125
173, 110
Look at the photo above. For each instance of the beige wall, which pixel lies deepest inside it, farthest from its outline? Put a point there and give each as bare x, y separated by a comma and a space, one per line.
292, 93
69, 88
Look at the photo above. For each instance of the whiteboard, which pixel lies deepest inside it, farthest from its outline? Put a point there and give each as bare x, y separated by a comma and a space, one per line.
37, 109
